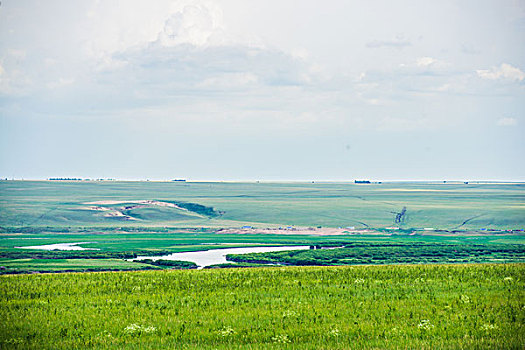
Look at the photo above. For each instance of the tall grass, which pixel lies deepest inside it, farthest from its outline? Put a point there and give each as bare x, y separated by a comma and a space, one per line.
423, 307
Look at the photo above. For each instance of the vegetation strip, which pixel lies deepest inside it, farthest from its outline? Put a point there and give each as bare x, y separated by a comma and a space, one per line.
389, 253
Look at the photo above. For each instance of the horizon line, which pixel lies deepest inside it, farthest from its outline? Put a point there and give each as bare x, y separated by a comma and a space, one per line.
372, 181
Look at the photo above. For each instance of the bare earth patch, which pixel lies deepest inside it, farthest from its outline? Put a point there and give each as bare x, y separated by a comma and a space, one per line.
143, 202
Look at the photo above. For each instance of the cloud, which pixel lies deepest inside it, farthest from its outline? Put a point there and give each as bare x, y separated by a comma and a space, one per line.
14, 82
185, 67
17, 54
182, 52
192, 53
422, 76
183, 57
507, 121
425, 65
425, 61
403, 123
196, 24
398, 43
469, 49
503, 72
229, 81
60, 83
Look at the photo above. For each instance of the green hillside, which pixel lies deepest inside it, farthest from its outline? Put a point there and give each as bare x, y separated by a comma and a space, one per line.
450, 206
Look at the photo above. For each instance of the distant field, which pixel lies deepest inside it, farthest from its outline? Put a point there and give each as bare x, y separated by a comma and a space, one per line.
394, 307
57, 204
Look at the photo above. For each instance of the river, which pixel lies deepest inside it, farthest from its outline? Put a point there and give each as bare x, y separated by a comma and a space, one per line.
218, 256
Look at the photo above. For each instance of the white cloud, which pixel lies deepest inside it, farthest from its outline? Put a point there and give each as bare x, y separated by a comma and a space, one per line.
507, 121
503, 72
195, 24
300, 53
14, 82
49, 62
229, 81
17, 54
108, 63
443, 88
424, 64
403, 123
399, 42
425, 61
361, 77
60, 83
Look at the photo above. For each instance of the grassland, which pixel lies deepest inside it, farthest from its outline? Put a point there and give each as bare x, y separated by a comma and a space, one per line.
426, 305
423, 307
451, 206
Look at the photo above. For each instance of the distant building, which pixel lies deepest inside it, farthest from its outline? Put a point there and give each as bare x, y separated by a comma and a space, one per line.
362, 181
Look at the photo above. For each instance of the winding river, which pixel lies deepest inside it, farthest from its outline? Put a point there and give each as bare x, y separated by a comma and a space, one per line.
218, 256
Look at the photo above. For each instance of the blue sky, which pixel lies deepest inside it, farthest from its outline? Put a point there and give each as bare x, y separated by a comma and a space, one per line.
265, 90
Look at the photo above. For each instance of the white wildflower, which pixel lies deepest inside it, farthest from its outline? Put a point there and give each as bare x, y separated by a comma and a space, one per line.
334, 332
149, 329
135, 329
359, 281
425, 325
488, 327
132, 328
289, 313
283, 339
226, 331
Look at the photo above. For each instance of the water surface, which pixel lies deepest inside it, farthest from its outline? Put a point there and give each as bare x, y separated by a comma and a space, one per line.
60, 246
218, 256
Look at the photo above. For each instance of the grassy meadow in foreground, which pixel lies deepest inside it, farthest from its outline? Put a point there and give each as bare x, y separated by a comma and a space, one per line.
423, 307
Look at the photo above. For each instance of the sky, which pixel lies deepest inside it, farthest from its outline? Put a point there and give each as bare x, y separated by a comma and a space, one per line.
234, 90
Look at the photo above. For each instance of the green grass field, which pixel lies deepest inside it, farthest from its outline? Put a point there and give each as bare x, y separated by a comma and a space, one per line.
417, 307
440, 301
447, 206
